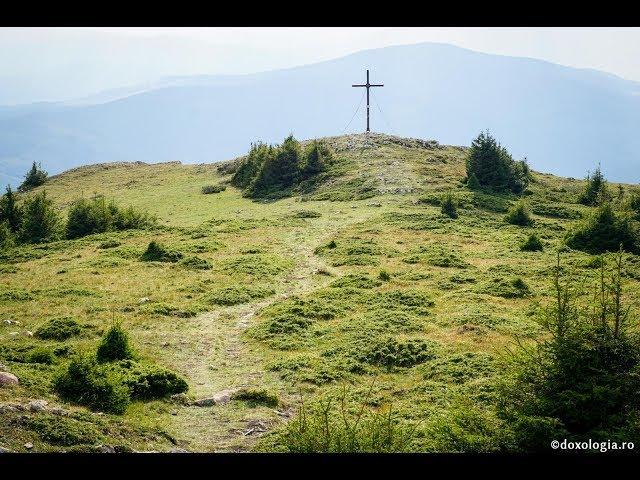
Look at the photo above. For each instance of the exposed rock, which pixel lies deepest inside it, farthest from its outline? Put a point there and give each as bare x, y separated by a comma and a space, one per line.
105, 449
8, 379
11, 407
37, 405
181, 398
5, 450
178, 450
205, 402
28, 445
219, 398
28, 334
7, 322
58, 411
144, 300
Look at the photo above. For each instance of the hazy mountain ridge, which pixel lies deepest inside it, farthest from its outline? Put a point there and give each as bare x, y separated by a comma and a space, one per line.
564, 120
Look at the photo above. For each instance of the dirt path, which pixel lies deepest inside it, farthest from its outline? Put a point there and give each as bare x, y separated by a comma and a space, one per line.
216, 357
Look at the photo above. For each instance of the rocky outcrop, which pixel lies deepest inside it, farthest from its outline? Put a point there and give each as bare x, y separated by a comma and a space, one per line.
8, 379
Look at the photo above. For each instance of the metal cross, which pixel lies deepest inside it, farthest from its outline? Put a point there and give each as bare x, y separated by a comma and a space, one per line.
368, 85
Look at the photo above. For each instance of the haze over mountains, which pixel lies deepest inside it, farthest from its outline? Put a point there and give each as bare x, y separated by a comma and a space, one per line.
564, 120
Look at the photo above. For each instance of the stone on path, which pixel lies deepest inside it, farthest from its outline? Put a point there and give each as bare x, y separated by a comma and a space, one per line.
219, 398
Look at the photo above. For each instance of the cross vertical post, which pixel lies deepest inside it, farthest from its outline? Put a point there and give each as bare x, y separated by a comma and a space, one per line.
367, 86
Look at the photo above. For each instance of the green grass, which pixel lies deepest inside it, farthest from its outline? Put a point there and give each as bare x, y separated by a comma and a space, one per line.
288, 297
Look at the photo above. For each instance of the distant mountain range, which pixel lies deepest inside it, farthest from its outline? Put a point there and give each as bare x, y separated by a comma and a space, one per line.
564, 120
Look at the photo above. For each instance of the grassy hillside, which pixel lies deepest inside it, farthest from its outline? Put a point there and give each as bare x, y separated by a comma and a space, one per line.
291, 299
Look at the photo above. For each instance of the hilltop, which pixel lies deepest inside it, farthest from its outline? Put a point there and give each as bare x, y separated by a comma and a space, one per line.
288, 297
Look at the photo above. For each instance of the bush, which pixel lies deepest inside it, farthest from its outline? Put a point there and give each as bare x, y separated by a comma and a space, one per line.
10, 212
41, 222
354, 280
41, 355
279, 170
58, 329
87, 217
257, 396
109, 244
555, 211
58, 430
448, 206
315, 158
114, 346
248, 168
88, 383
196, 263
6, 236
146, 382
390, 352
582, 381
465, 427
441, 257
384, 276
307, 214
508, 288
492, 166
238, 294
34, 178
596, 190
273, 171
472, 182
532, 244
112, 378
632, 204
604, 231
156, 252
519, 214
491, 203
208, 189
130, 218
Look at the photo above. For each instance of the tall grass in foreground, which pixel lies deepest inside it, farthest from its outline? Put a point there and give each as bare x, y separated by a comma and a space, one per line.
336, 425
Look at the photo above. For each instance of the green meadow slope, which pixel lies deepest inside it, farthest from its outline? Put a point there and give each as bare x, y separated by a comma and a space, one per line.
292, 301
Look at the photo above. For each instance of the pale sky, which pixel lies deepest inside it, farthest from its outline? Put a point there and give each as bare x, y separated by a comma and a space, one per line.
50, 64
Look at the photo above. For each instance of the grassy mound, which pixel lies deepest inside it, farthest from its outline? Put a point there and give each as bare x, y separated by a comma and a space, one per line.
59, 329
156, 252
